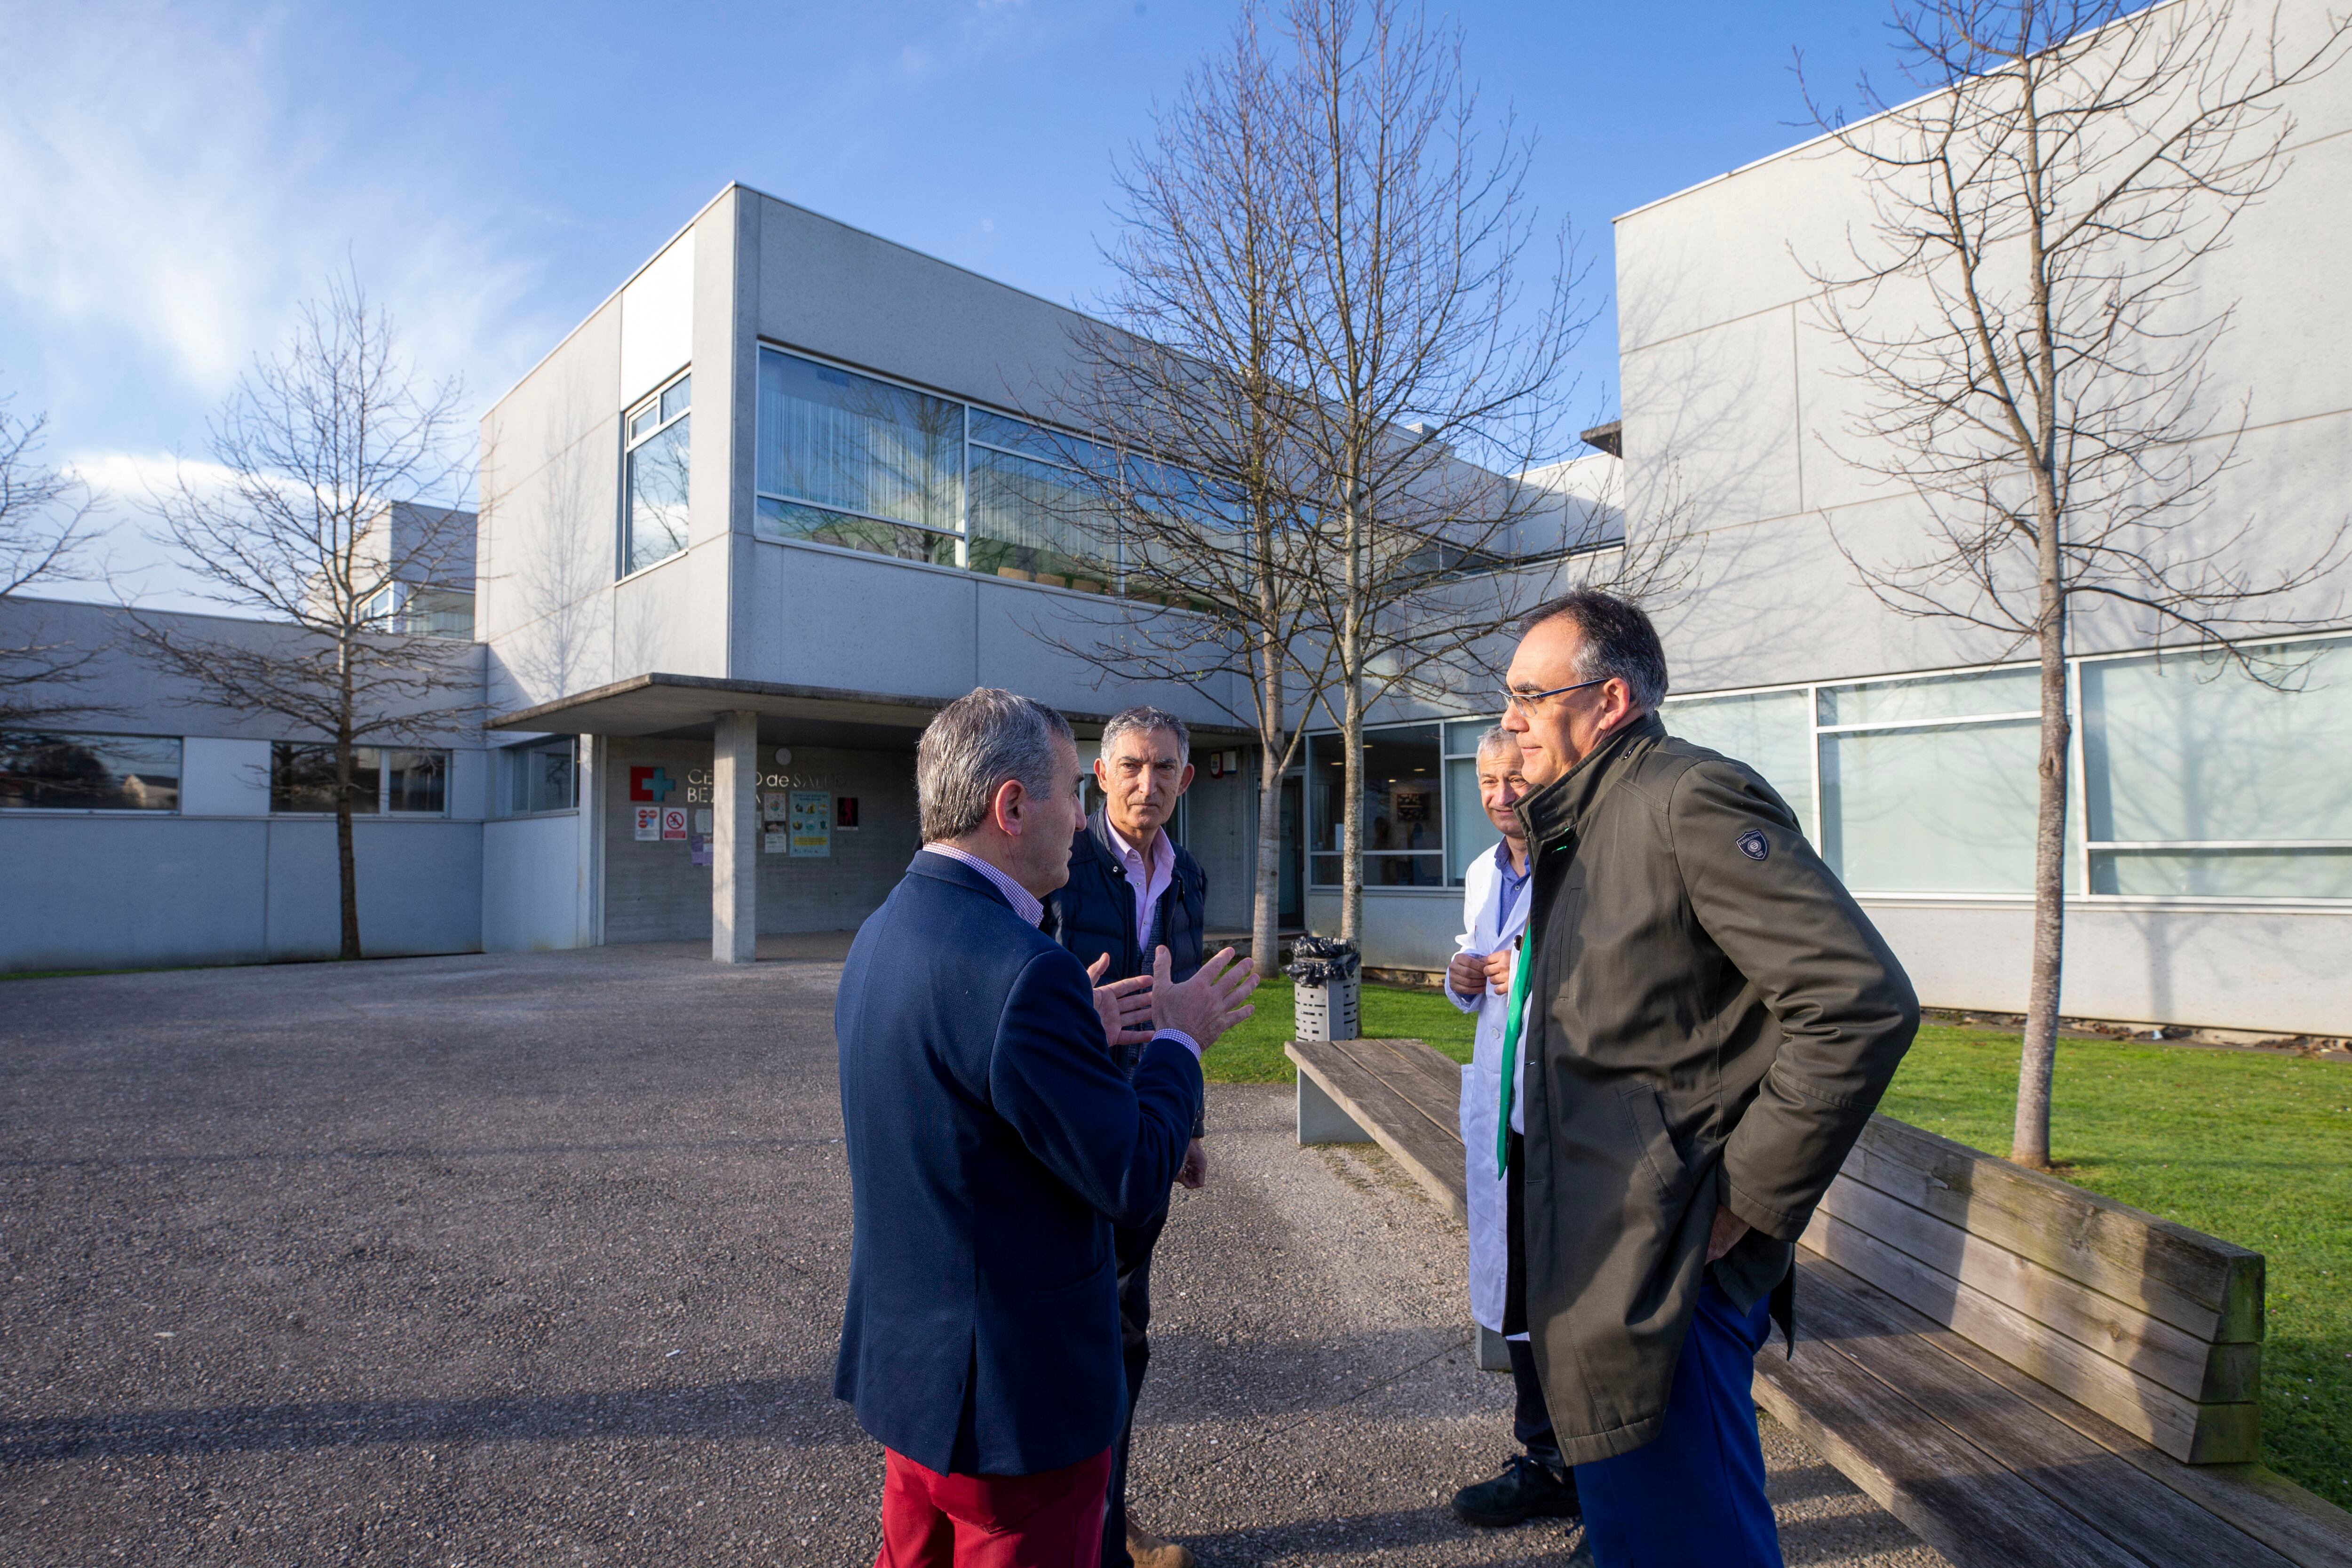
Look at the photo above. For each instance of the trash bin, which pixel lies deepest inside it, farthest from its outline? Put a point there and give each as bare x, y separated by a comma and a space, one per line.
1329, 977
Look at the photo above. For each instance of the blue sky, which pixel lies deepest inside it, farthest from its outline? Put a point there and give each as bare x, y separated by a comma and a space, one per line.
177, 176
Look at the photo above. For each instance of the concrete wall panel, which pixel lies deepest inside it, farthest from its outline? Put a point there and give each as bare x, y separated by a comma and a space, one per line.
531, 871
129, 893
657, 319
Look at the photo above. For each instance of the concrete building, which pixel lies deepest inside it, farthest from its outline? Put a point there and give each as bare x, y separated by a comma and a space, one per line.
2211, 863
786, 492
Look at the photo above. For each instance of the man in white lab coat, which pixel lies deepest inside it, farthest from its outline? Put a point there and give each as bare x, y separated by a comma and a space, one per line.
1536, 1483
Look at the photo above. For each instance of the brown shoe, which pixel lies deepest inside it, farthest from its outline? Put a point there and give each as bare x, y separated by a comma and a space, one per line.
1150, 1552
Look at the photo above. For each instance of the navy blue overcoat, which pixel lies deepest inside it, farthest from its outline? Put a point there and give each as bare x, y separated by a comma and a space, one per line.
993, 1141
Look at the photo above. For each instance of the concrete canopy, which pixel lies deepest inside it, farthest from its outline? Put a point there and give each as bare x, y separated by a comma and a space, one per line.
684, 707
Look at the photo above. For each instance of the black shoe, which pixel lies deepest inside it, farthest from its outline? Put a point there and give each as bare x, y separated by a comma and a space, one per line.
1526, 1489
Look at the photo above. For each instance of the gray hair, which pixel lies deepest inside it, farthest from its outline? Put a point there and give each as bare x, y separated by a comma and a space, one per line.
1495, 739
1619, 642
972, 747
1142, 721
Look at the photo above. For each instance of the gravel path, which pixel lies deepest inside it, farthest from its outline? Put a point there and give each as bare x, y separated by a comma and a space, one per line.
539, 1258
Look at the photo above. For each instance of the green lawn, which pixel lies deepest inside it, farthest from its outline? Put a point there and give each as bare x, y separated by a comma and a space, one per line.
2256, 1149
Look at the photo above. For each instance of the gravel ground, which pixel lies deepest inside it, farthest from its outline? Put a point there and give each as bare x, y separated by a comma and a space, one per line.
539, 1258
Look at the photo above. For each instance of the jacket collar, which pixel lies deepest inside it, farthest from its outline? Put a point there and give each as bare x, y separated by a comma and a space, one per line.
1556, 810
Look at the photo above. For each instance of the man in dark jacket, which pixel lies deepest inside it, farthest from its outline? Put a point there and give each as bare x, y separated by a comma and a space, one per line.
991, 1142
1708, 1019
1132, 889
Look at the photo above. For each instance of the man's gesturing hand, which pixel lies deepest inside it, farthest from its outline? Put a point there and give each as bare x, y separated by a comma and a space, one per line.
1125, 1004
1206, 1005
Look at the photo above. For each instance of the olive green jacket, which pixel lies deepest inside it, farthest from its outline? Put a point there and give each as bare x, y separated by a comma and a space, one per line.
1712, 1019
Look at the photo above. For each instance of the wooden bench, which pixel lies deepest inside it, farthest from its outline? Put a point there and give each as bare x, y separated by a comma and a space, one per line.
2020, 1371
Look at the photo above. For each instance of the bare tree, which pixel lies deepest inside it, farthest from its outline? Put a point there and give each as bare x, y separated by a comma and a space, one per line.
1192, 510
1429, 376
46, 521
318, 528
2024, 313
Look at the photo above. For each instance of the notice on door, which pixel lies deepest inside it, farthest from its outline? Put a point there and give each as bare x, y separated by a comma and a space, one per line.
812, 824
649, 823
673, 821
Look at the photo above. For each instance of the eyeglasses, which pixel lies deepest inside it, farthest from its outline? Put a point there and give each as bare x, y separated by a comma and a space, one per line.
1524, 701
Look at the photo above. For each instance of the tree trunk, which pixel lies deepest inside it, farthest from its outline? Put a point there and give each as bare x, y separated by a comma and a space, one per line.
1351, 732
1265, 913
2030, 1141
346, 863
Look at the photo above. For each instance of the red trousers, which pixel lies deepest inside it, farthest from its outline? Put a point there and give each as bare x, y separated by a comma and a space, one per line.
1051, 1519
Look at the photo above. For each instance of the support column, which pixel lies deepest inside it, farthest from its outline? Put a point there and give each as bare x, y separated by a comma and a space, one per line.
734, 837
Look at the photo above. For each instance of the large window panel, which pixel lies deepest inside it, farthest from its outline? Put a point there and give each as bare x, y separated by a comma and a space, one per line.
1944, 809
846, 459
51, 771
1038, 523
1768, 731
302, 777
416, 780
541, 776
2189, 749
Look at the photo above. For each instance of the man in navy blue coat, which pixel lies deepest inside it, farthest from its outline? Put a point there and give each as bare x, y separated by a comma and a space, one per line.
993, 1141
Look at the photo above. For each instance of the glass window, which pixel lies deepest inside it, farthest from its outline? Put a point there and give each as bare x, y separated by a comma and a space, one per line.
1945, 809
47, 771
661, 449
302, 777
1029, 440
1473, 832
2314, 873
1404, 811
1038, 523
541, 776
1768, 731
1461, 736
415, 780
2189, 749
848, 460
1933, 697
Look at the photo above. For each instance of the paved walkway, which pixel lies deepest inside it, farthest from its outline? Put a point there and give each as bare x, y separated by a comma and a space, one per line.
540, 1258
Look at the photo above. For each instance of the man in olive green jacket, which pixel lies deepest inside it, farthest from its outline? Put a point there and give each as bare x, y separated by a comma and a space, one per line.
1709, 1019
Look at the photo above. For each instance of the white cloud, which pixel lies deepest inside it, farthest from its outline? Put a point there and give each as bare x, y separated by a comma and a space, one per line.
172, 175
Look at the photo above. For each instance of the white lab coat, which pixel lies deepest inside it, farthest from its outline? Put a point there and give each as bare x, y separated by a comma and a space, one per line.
1482, 1085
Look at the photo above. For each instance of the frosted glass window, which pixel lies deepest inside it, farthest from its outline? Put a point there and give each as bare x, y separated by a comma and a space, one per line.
832, 442
2223, 873
1939, 810
2190, 749
1471, 833
1934, 697
1462, 737
1768, 731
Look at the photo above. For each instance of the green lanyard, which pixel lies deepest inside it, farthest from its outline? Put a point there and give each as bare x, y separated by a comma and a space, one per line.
1510, 1057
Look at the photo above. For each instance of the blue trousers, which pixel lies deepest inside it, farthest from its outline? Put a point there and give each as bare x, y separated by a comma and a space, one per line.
1693, 1496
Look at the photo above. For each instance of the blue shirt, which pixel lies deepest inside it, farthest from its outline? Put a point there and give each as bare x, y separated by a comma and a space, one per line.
1514, 884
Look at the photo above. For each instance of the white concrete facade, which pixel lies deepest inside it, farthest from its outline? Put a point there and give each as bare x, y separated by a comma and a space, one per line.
1738, 407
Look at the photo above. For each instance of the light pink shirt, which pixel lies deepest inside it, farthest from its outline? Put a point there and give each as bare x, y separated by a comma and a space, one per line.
1149, 881
1031, 910
1025, 904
